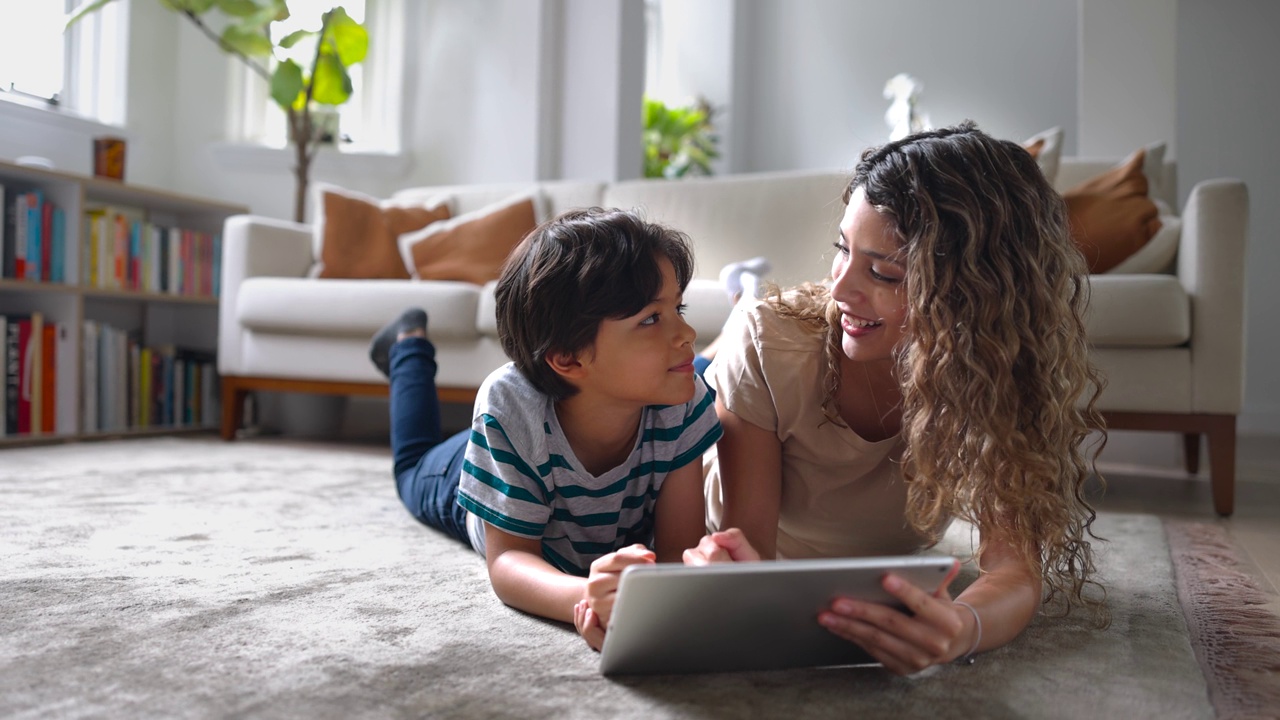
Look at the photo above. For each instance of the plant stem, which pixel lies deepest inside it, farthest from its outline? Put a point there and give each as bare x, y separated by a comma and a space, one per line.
209, 33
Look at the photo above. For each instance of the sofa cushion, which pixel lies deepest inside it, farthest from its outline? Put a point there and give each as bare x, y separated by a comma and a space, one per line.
1149, 311
355, 234
354, 308
1111, 215
473, 246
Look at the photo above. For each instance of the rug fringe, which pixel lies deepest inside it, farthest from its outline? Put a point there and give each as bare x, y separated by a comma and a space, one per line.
1236, 639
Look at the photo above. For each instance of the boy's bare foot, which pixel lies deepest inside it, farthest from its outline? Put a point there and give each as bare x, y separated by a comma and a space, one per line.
410, 323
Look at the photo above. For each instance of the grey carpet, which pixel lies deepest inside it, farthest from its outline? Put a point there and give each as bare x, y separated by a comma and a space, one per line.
185, 577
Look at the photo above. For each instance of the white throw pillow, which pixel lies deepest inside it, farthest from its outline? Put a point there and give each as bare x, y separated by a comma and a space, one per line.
1051, 154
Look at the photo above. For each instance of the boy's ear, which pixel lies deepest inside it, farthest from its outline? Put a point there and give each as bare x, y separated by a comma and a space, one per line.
565, 364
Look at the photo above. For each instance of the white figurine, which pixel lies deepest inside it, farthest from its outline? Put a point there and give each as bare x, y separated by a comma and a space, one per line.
903, 115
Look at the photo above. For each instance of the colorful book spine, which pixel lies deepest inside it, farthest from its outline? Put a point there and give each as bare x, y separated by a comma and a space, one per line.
58, 266
48, 379
46, 241
13, 372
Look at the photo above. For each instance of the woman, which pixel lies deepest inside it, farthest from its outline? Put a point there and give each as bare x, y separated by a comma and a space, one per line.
938, 377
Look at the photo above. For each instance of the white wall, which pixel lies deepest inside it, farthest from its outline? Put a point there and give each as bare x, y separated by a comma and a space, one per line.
1128, 76
1227, 106
811, 93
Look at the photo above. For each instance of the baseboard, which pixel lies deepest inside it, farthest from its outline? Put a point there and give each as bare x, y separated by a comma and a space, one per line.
1259, 421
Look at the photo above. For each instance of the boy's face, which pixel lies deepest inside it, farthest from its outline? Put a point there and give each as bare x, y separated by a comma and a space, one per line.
646, 359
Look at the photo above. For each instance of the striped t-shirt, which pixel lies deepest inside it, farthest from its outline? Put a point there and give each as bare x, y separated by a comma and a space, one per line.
520, 475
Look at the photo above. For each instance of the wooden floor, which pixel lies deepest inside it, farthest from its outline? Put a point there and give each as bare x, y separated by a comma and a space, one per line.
1142, 475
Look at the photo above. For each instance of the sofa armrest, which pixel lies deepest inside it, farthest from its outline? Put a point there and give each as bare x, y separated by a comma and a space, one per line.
1211, 256
254, 246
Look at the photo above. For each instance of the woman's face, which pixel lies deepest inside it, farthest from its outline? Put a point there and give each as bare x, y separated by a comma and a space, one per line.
869, 287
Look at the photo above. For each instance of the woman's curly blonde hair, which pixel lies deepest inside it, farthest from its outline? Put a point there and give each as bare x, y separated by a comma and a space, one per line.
998, 395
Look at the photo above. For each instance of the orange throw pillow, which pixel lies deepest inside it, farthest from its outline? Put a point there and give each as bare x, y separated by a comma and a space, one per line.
356, 234
470, 247
1111, 216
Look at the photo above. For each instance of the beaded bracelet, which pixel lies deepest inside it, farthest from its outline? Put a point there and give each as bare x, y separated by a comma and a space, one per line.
967, 658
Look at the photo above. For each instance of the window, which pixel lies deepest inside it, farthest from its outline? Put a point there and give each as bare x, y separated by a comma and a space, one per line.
80, 70
366, 122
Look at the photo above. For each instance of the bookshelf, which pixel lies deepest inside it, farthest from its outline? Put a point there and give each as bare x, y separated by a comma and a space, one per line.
127, 279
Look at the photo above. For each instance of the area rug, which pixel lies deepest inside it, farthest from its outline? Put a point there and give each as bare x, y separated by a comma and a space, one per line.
186, 577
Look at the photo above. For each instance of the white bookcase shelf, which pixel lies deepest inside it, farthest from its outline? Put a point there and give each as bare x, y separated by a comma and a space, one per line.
153, 319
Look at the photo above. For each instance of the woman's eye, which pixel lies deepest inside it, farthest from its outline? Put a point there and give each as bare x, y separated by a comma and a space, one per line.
839, 245
884, 278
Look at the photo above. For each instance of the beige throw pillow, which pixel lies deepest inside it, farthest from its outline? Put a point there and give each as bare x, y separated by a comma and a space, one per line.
471, 247
354, 235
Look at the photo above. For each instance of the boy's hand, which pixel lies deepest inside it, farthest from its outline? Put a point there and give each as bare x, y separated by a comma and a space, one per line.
588, 624
724, 546
602, 584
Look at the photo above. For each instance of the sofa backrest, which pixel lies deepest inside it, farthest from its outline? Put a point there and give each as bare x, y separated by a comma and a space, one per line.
560, 195
789, 217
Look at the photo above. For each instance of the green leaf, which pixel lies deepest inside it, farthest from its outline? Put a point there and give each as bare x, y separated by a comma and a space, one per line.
330, 83
199, 7
238, 8
91, 7
252, 44
286, 84
348, 37
678, 141
292, 38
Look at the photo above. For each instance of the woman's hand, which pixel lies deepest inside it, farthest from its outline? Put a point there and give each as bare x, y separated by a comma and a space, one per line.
724, 546
934, 630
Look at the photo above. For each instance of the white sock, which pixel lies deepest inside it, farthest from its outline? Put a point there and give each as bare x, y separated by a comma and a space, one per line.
742, 279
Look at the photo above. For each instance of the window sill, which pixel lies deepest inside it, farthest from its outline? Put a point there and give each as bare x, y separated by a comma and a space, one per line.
246, 157
33, 111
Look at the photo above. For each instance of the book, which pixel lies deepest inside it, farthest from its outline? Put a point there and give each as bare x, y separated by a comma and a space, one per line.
65, 399
4, 396
58, 267
46, 241
19, 206
48, 379
12, 372
33, 380
6, 232
32, 268
23, 353
89, 345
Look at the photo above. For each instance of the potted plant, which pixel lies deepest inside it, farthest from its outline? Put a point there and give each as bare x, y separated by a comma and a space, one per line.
305, 93
678, 141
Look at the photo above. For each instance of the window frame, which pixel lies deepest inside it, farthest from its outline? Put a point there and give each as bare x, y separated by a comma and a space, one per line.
379, 98
94, 74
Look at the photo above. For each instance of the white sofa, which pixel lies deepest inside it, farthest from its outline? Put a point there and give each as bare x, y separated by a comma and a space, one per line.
1171, 345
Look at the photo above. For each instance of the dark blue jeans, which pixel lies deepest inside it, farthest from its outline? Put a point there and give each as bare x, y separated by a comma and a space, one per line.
427, 466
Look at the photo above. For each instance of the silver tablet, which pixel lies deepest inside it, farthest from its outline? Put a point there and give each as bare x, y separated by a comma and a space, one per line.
674, 618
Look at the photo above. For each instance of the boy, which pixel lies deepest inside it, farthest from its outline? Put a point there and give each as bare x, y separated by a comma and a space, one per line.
585, 450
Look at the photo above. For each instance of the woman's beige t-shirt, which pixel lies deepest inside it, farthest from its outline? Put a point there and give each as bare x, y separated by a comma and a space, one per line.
841, 495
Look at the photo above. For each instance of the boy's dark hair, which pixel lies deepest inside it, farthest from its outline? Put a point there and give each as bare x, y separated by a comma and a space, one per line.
574, 271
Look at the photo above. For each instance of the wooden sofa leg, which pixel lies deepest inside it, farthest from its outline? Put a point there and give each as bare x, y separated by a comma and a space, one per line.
1191, 452
232, 407
1222, 463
